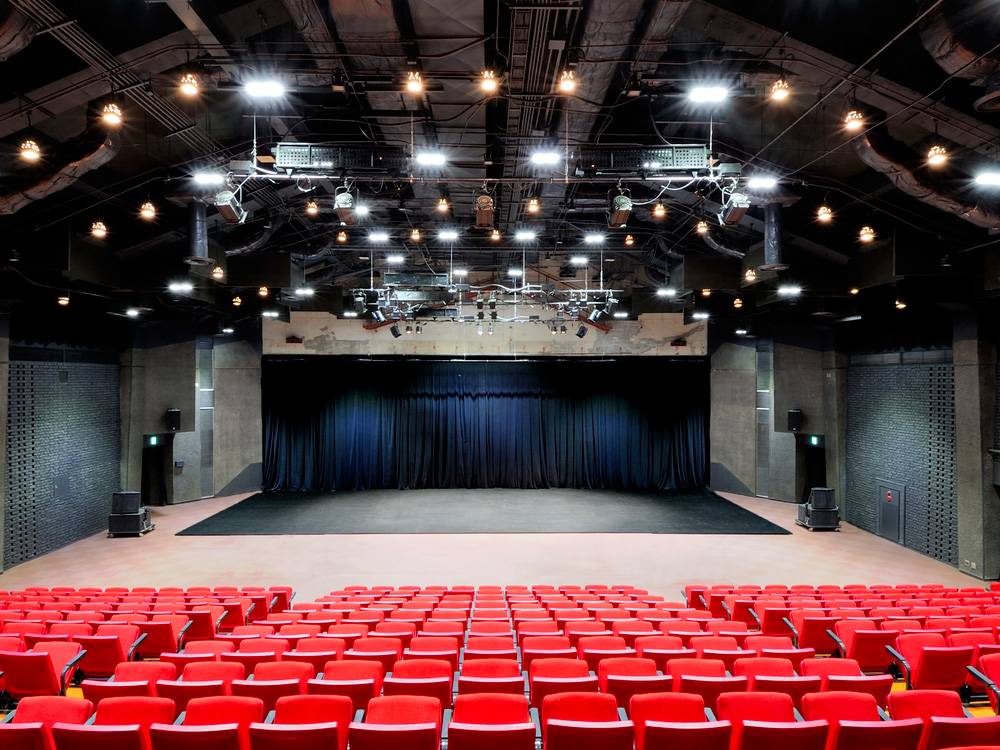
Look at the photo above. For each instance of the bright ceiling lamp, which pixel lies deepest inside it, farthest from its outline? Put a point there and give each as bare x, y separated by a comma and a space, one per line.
789, 290
99, 229
579, 260
264, 89
378, 237
700, 315
566, 81
218, 273
737, 303
415, 234
524, 236
515, 272
312, 208
147, 210
708, 93
629, 240
30, 151
413, 82
824, 213
706, 292
443, 205
594, 239
263, 291
659, 210
489, 81
900, 305
112, 114
666, 292
533, 206
545, 157
237, 301
132, 312
779, 89
63, 300
701, 227
460, 273
189, 84
867, 234
209, 178
430, 159
395, 259
495, 235
988, 178
304, 291
762, 182
180, 286
937, 156
853, 120
341, 236
448, 234
750, 275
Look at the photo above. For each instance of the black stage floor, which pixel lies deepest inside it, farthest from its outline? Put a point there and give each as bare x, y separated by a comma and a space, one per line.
485, 511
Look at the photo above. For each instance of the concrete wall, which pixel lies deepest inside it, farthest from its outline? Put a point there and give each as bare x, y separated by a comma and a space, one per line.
4, 381
238, 430
659, 334
733, 418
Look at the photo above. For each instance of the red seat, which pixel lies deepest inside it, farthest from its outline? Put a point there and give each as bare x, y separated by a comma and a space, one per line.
845, 674
131, 679
387, 651
316, 652
490, 676
855, 723
119, 724
274, 680
30, 726
225, 710
45, 671
398, 722
764, 721
677, 721
861, 641
545, 647
626, 677
111, 645
256, 651
594, 648
946, 723
549, 676
489, 647
704, 677
930, 665
358, 680
810, 630
661, 649
428, 677
433, 647
201, 680
584, 721
163, 633
212, 737
771, 674
491, 722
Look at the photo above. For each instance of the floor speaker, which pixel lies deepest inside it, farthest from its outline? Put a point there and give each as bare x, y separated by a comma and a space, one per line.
125, 502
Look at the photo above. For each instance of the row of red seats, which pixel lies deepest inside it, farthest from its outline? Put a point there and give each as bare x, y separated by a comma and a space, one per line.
918, 720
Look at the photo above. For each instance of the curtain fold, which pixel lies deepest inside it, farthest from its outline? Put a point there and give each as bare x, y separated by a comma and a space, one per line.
346, 424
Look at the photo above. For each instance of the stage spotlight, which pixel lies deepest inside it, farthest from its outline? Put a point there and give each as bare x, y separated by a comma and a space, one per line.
484, 211
229, 207
394, 330
621, 207
595, 314
378, 316
343, 204
581, 331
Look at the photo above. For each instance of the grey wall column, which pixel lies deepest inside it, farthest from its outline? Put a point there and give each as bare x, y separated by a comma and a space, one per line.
975, 401
835, 422
4, 395
734, 418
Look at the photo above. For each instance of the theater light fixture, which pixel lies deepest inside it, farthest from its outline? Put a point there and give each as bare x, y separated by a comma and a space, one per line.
415, 234
443, 205
147, 210
431, 159
533, 206
132, 312
710, 94
237, 301
937, 156
189, 84
789, 290
209, 178
484, 211
263, 291
524, 236
621, 208
579, 260
218, 273
341, 236
701, 227
395, 259
762, 182
629, 239
854, 290
566, 81
900, 305
304, 291
269, 314
779, 89
448, 235
180, 286
112, 114
666, 292
378, 237
581, 331
700, 315
853, 120
737, 303
495, 235
459, 273
394, 330
988, 178
409, 330
824, 213
594, 239
413, 82
99, 229
659, 211
63, 300
867, 234
545, 157
30, 151
750, 275
228, 204
343, 204
264, 89
489, 81
312, 208
706, 292
479, 330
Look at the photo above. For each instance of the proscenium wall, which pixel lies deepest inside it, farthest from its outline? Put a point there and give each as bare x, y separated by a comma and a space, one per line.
62, 454
901, 428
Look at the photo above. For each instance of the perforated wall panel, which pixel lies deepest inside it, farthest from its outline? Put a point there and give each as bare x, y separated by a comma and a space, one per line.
62, 455
901, 428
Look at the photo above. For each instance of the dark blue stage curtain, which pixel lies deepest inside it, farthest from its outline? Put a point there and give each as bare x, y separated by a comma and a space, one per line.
347, 424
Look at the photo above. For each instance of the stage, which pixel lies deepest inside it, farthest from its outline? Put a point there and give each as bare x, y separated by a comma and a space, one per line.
484, 511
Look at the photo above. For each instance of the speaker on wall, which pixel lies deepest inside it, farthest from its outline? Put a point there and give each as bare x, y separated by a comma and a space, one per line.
173, 418
795, 420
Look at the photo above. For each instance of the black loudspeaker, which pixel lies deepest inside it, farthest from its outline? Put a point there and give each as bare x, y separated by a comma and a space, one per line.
125, 502
821, 498
173, 418
130, 523
795, 419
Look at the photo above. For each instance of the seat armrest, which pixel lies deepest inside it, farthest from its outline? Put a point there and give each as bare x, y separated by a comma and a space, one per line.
795, 633
246, 615
218, 621
898, 658
269, 719
709, 715
63, 678
990, 685
536, 720
882, 715
703, 602
90, 719
622, 716
756, 617
10, 715
728, 611
841, 649
445, 721
359, 715
180, 718
798, 716
135, 644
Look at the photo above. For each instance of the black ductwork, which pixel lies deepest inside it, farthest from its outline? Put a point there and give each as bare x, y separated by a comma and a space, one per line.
77, 157
721, 246
958, 35
16, 32
198, 235
772, 239
257, 240
885, 154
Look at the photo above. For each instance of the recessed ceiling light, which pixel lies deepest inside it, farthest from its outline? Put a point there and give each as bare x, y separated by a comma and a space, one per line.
789, 290
621, 314
666, 292
264, 89
349, 314
378, 237
460, 273
209, 178
988, 178
545, 157
515, 272
304, 291
579, 260
700, 315
708, 93
762, 181
448, 234
180, 286
524, 236
395, 259
594, 239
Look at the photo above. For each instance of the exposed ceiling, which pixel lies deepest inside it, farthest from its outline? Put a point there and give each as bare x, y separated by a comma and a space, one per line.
922, 74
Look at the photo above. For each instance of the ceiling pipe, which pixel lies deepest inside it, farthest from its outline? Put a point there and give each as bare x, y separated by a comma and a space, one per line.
721, 246
885, 154
772, 239
16, 33
947, 33
198, 235
82, 154
256, 241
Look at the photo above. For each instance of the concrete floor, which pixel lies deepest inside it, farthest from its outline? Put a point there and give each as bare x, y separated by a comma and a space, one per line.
315, 565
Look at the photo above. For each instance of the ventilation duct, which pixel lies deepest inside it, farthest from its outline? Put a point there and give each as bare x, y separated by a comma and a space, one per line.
772, 239
16, 33
78, 156
960, 35
883, 153
257, 240
721, 246
198, 235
